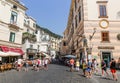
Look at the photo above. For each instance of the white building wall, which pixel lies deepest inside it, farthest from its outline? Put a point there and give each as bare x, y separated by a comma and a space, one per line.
93, 9
5, 11
92, 21
5, 16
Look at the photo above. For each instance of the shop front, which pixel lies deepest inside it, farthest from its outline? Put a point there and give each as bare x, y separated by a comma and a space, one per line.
10, 54
106, 53
31, 53
106, 56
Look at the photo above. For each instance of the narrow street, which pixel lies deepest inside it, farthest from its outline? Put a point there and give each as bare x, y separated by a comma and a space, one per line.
55, 74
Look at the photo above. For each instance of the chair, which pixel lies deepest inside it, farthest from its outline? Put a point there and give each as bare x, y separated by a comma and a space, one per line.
2, 68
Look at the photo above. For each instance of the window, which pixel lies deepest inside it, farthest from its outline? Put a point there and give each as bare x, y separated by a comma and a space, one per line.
75, 5
31, 46
64, 43
105, 36
14, 6
28, 22
12, 37
34, 25
72, 28
28, 30
76, 22
36, 31
72, 14
24, 21
13, 19
79, 14
77, 43
102, 9
118, 14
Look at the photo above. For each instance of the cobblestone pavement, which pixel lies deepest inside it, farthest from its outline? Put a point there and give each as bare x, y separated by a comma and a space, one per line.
106, 79
55, 74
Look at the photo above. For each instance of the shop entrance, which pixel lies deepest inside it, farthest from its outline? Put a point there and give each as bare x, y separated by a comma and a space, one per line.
30, 57
106, 56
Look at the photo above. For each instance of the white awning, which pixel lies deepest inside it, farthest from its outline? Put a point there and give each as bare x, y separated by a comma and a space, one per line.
3, 54
13, 53
46, 55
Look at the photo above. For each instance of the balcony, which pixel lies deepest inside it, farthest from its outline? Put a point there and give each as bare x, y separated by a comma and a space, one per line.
28, 36
14, 25
26, 25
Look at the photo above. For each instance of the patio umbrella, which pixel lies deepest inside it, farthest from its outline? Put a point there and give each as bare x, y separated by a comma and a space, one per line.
70, 56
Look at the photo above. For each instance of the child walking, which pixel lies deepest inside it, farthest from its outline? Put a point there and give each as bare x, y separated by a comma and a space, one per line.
77, 64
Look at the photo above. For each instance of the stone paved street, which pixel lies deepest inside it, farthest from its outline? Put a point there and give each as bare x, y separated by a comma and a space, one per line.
55, 74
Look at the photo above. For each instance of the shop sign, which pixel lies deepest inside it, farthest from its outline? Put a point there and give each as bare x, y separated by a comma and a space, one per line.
31, 50
105, 47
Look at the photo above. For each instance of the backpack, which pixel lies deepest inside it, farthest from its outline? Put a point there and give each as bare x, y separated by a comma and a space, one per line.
89, 64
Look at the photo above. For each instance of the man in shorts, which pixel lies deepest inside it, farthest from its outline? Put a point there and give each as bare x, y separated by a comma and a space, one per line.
113, 69
104, 67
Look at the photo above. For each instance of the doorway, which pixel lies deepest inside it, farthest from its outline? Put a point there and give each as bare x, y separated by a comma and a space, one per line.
106, 56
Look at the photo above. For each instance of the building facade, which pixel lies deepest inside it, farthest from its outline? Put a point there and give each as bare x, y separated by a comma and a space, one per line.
29, 37
93, 29
43, 40
46, 42
55, 46
11, 26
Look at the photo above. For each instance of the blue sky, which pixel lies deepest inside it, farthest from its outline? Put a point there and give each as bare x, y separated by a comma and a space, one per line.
51, 14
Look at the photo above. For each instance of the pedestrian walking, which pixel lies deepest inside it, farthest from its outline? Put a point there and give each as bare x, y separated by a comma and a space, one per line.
89, 69
42, 63
46, 64
113, 69
84, 67
26, 65
118, 63
92, 66
19, 64
34, 63
104, 68
71, 64
95, 66
77, 65
38, 64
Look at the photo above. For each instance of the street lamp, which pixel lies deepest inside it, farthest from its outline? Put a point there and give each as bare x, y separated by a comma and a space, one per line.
87, 46
84, 47
90, 46
91, 36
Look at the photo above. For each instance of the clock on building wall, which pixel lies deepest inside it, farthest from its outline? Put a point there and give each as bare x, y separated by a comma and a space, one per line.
104, 23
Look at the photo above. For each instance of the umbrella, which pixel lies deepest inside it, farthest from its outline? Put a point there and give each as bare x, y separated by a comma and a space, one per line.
70, 56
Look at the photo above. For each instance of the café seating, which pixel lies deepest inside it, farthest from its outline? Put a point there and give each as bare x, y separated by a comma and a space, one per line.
9, 66
4, 67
